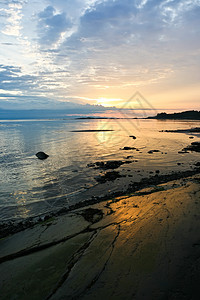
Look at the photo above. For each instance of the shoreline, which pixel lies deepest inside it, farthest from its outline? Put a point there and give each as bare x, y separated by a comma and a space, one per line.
13, 226
108, 172
140, 246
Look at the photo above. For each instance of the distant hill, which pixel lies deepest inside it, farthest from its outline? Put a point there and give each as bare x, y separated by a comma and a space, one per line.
27, 114
185, 115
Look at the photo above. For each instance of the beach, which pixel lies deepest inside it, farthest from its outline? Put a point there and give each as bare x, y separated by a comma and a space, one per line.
112, 212
144, 245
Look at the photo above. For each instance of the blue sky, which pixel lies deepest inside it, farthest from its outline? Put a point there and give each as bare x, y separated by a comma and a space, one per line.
99, 52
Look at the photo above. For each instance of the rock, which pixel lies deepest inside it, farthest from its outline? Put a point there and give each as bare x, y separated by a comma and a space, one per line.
153, 151
195, 146
108, 176
157, 171
135, 206
191, 137
192, 130
100, 164
197, 164
90, 165
92, 215
183, 152
41, 155
128, 148
110, 164
134, 137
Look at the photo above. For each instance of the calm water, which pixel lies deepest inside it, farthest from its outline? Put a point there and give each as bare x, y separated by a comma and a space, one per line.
31, 187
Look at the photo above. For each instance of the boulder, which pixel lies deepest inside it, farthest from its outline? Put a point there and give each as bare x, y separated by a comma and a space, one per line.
195, 146
128, 148
108, 176
41, 155
153, 151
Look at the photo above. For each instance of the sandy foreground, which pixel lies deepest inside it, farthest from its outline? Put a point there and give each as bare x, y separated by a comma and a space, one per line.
142, 246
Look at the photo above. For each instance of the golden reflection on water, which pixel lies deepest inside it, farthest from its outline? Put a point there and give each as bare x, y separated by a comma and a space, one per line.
21, 201
29, 180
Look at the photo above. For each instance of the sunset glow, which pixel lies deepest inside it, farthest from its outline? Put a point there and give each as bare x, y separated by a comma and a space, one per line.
107, 102
99, 52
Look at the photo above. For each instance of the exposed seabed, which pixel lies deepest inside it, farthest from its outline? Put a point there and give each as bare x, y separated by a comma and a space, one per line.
144, 245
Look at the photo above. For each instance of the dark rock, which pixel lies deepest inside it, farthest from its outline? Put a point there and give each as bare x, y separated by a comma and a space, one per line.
153, 151
157, 171
92, 130
100, 164
130, 161
128, 148
183, 152
42, 155
192, 130
111, 164
108, 176
90, 165
134, 137
197, 164
92, 215
195, 146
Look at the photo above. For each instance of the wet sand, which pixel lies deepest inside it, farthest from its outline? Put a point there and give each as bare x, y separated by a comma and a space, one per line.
145, 245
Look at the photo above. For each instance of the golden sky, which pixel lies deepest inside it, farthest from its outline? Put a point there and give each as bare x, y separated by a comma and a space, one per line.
100, 52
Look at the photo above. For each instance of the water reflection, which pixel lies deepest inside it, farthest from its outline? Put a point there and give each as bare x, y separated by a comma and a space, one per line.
21, 200
64, 177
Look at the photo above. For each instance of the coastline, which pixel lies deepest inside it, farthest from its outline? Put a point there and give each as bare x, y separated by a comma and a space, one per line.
145, 244
13, 226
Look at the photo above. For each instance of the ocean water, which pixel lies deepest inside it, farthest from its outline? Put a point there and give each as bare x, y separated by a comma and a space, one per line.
31, 187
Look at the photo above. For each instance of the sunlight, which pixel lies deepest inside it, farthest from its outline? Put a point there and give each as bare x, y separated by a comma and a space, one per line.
109, 102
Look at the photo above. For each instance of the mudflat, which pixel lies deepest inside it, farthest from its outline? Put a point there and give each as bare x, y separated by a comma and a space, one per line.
140, 246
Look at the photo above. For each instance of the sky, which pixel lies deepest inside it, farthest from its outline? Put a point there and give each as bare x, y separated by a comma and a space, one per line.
104, 52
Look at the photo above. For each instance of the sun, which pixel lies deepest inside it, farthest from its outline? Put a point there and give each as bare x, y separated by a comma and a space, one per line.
108, 102
103, 101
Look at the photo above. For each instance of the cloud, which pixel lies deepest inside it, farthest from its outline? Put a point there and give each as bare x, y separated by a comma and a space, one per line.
13, 16
115, 33
51, 25
99, 48
12, 79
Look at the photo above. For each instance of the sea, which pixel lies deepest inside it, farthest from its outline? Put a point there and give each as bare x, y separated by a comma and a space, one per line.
32, 187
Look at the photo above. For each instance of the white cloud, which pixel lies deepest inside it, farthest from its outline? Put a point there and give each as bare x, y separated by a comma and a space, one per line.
14, 16
88, 47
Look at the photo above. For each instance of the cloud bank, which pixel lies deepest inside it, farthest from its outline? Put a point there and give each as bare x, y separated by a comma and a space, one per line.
61, 50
